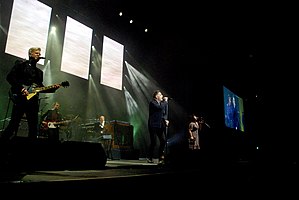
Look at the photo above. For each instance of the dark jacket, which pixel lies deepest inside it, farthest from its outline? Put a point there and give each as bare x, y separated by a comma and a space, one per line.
24, 74
157, 114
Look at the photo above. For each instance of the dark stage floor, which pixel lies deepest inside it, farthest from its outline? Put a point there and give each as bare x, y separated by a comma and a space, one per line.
190, 174
120, 178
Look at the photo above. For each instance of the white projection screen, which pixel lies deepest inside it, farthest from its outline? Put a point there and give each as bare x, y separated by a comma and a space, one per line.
112, 63
28, 29
76, 49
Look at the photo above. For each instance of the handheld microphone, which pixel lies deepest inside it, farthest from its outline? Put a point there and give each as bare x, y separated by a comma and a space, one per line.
42, 57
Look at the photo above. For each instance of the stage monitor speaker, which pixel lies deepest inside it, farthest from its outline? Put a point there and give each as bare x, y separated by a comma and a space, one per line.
45, 155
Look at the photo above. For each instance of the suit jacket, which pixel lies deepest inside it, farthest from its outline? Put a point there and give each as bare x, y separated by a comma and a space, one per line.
157, 114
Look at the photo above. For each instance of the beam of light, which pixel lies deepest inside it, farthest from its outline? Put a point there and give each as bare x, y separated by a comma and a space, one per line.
94, 94
46, 67
138, 94
3, 30
45, 98
96, 60
92, 98
95, 99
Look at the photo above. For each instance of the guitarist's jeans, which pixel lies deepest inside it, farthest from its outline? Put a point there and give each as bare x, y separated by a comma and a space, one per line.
53, 134
21, 107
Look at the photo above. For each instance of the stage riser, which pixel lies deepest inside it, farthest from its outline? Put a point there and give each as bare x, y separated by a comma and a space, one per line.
44, 155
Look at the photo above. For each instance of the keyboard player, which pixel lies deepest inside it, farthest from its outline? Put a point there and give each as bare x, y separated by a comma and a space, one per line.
101, 129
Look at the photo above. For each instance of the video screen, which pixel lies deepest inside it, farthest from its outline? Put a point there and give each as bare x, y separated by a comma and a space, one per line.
112, 63
20, 35
233, 110
76, 49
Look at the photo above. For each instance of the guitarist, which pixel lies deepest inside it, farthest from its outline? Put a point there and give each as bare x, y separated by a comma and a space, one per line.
23, 75
51, 117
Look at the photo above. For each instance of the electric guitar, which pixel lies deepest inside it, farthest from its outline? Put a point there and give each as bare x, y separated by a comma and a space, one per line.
34, 90
53, 124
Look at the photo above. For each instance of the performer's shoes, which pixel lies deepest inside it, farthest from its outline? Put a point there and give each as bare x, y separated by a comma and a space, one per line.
161, 162
148, 160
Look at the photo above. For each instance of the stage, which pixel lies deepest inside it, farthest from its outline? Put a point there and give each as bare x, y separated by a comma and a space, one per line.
83, 169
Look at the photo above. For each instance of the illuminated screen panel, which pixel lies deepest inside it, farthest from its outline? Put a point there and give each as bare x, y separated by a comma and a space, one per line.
233, 110
112, 64
76, 49
28, 29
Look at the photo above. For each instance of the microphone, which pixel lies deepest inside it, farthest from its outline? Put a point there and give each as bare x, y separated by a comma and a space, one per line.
169, 98
42, 57
208, 125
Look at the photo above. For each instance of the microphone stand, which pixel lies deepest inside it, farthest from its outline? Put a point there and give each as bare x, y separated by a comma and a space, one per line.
40, 114
166, 130
6, 114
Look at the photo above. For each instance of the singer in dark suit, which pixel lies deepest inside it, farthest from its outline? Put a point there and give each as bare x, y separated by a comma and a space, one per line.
157, 121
